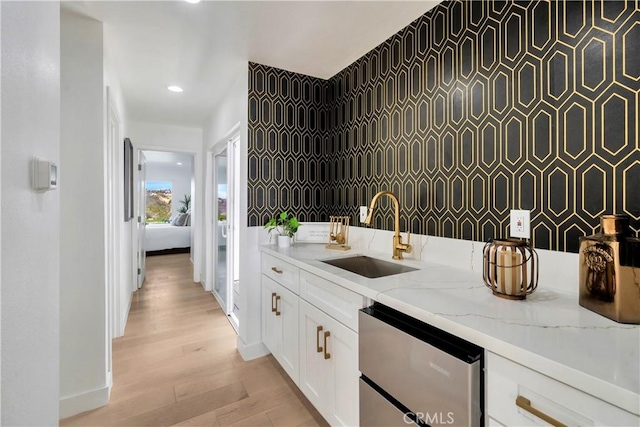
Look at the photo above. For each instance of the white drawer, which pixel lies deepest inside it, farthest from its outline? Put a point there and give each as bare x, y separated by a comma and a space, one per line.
506, 381
281, 271
333, 299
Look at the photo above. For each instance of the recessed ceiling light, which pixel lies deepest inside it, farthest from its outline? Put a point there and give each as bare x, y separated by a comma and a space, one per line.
193, 1
179, 164
176, 89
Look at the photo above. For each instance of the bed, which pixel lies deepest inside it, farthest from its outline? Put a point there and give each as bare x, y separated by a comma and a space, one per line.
162, 237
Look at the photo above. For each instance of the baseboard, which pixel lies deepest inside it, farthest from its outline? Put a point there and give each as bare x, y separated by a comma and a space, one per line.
251, 351
87, 401
125, 318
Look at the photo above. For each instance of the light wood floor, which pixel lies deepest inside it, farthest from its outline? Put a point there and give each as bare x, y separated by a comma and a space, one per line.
177, 364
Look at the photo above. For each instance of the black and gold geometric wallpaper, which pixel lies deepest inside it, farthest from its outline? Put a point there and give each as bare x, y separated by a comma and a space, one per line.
287, 133
479, 107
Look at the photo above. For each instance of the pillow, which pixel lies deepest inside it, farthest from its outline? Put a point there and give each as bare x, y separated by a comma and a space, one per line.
180, 220
187, 222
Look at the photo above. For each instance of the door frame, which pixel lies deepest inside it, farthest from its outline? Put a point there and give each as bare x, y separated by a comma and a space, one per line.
209, 189
222, 147
113, 227
141, 219
211, 211
196, 221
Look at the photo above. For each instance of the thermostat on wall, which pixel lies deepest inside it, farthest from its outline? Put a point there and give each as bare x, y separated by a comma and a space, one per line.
45, 175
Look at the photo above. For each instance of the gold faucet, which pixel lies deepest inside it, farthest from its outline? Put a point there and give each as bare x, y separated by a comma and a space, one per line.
398, 246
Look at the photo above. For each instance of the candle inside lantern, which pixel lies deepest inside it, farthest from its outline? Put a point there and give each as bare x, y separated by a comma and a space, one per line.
509, 272
510, 268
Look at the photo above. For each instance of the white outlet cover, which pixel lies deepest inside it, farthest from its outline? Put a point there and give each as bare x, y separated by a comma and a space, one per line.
363, 213
520, 224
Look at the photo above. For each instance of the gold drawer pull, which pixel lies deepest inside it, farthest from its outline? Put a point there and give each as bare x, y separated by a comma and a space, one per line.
318, 346
273, 304
524, 403
327, 355
277, 311
275, 270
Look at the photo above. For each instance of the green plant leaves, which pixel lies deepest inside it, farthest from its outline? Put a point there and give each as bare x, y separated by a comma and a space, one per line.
285, 224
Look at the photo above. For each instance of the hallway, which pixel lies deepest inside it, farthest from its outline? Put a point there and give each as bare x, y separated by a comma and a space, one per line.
177, 364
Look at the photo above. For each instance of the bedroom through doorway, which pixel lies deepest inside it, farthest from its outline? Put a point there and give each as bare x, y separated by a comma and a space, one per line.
169, 188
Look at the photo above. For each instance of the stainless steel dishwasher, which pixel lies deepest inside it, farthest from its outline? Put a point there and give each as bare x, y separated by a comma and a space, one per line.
413, 373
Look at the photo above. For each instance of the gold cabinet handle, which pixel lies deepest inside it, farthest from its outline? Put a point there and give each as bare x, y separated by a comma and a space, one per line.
327, 355
277, 311
273, 304
275, 270
318, 346
524, 403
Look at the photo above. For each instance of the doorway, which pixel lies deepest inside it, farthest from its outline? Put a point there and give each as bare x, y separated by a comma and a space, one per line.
166, 203
225, 231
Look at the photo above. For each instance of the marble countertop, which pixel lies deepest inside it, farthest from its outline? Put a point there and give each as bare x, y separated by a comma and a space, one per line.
548, 332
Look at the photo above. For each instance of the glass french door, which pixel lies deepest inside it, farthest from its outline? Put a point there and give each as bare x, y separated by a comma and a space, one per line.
221, 240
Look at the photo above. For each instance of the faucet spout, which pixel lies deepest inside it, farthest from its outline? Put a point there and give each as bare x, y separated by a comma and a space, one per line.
398, 246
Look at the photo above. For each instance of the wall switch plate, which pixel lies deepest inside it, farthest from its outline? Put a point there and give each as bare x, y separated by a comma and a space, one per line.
520, 224
363, 213
44, 175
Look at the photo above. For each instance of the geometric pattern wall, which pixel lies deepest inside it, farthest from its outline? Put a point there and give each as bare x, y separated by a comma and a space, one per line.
479, 107
287, 132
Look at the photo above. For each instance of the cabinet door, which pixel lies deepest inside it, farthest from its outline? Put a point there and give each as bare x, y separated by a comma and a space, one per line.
343, 390
271, 324
313, 369
287, 307
329, 377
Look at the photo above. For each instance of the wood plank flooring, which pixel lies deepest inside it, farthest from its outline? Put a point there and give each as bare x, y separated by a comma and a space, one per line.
177, 364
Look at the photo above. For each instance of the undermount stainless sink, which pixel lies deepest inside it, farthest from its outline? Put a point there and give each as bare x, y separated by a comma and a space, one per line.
369, 267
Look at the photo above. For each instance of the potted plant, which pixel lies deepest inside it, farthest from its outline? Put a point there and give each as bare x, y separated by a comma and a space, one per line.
186, 204
285, 225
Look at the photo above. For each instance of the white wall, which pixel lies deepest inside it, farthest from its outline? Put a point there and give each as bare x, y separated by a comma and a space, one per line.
233, 110
127, 282
30, 222
156, 136
83, 340
180, 177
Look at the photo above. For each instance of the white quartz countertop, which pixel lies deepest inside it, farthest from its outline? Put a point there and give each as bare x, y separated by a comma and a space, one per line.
548, 332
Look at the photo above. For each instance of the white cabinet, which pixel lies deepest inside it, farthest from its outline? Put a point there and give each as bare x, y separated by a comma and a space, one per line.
280, 325
313, 336
338, 302
282, 272
269, 319
329, 366
517, 395
314, 367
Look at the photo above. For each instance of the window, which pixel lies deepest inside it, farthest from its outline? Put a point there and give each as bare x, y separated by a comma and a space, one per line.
222, 202
158, 201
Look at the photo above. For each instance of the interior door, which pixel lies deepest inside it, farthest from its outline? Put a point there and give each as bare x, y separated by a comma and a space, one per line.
234, 229
221, 269
142, 217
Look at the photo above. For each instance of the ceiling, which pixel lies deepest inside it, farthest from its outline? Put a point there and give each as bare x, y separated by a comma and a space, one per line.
168, 158
203, 47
